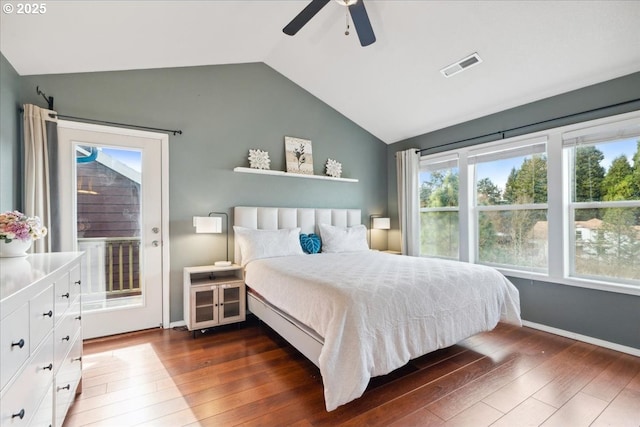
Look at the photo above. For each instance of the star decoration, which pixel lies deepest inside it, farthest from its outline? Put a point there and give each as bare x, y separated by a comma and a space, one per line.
259, 159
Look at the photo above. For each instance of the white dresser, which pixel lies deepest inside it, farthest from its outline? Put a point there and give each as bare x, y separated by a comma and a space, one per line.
40, 338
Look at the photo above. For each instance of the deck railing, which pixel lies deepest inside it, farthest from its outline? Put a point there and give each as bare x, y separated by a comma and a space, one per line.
112, 267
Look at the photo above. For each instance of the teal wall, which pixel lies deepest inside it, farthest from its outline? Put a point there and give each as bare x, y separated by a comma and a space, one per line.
608, 316
10, 165
224, 111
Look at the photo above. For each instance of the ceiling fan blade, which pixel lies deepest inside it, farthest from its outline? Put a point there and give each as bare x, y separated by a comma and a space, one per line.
303, 17
362, 23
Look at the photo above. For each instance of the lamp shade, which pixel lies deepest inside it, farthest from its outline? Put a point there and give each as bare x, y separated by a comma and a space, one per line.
381, 223
207, 224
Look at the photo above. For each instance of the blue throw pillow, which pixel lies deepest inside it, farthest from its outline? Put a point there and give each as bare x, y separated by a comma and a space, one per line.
310, 243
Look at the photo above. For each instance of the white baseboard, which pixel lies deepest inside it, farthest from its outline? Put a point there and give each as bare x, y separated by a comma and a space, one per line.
177, 324
602, 343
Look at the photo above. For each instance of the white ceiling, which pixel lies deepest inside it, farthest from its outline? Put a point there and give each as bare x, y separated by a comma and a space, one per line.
393, 88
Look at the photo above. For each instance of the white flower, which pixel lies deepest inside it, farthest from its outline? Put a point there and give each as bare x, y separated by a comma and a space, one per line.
334, 168
259, 159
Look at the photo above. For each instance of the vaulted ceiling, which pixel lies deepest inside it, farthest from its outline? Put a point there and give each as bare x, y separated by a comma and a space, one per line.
394, 89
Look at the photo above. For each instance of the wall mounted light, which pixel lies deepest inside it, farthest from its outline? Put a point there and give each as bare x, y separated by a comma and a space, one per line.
213, 224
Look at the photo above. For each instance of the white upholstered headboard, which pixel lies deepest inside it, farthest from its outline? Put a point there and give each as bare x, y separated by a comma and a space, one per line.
308, 219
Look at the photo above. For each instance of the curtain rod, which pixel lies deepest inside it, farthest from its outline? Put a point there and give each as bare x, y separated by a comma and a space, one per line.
502, 132
96, 121
62, 116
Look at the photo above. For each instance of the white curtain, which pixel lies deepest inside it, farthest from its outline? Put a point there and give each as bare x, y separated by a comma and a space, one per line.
408, 168
40, 191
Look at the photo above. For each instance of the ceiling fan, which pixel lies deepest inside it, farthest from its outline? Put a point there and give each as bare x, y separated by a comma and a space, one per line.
358, 15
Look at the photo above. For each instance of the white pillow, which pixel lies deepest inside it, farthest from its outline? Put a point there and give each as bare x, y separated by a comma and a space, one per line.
343, 239
257, 244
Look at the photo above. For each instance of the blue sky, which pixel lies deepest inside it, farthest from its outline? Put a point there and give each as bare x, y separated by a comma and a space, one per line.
131, 158
499, 171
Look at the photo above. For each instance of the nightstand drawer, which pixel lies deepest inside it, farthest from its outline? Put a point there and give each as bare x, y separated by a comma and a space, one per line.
14, 350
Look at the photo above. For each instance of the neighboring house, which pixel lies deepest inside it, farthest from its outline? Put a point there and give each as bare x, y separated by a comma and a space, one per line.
589, 236
587, 231
108, 198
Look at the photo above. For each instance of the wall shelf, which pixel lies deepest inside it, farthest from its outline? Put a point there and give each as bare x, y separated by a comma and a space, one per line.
292, 175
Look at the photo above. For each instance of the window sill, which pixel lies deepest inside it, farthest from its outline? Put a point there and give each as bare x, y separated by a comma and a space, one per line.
580, 283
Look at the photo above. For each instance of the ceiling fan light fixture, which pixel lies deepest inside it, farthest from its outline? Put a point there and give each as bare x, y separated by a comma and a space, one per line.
346, 2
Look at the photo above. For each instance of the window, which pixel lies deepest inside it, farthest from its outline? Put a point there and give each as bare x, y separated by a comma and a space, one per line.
562, 204
511, 204
603, 166
439, 182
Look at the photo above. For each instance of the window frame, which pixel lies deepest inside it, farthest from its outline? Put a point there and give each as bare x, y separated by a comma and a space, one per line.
558, 204
516, 147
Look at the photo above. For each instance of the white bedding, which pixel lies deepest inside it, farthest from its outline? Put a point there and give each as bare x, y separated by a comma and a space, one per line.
376, 311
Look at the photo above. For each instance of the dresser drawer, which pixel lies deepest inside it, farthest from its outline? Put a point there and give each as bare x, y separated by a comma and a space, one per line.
21, 400
65, 332
67, 380
41, 315
14, 341
75, 285
62, 296
43, 416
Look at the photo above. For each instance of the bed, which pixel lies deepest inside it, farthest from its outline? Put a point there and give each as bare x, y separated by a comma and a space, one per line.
354, 312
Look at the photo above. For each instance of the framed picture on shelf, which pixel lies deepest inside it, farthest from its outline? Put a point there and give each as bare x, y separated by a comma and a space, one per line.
298, 155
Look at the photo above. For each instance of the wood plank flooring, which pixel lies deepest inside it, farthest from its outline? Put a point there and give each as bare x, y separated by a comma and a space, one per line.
247, 375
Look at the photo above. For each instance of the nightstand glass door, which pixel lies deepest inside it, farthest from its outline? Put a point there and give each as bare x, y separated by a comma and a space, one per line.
230, 302
206, 307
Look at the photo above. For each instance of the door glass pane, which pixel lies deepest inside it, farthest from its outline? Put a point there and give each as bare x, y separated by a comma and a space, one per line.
108, 184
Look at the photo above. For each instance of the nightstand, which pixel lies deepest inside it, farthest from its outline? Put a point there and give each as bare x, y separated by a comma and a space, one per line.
213, 296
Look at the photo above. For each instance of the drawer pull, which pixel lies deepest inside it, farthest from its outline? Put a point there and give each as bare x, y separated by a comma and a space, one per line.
49, 367
66, 338
78, 317
76, 359
19, 343
67, 387
78, 282
18, 415
48, 314
65, 295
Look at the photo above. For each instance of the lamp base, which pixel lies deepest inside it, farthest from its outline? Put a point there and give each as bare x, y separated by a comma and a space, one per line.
222, 263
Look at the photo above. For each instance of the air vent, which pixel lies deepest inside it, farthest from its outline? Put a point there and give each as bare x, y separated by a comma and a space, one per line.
461, 65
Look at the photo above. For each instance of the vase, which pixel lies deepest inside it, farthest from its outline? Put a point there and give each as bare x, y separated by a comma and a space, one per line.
15, 248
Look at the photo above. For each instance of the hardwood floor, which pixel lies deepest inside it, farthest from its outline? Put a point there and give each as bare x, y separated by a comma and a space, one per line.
250, 376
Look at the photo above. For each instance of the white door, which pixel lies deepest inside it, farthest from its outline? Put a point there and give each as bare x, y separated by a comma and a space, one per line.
112, 183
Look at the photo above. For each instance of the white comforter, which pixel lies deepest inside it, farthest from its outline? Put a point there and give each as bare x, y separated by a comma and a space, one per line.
376, 311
